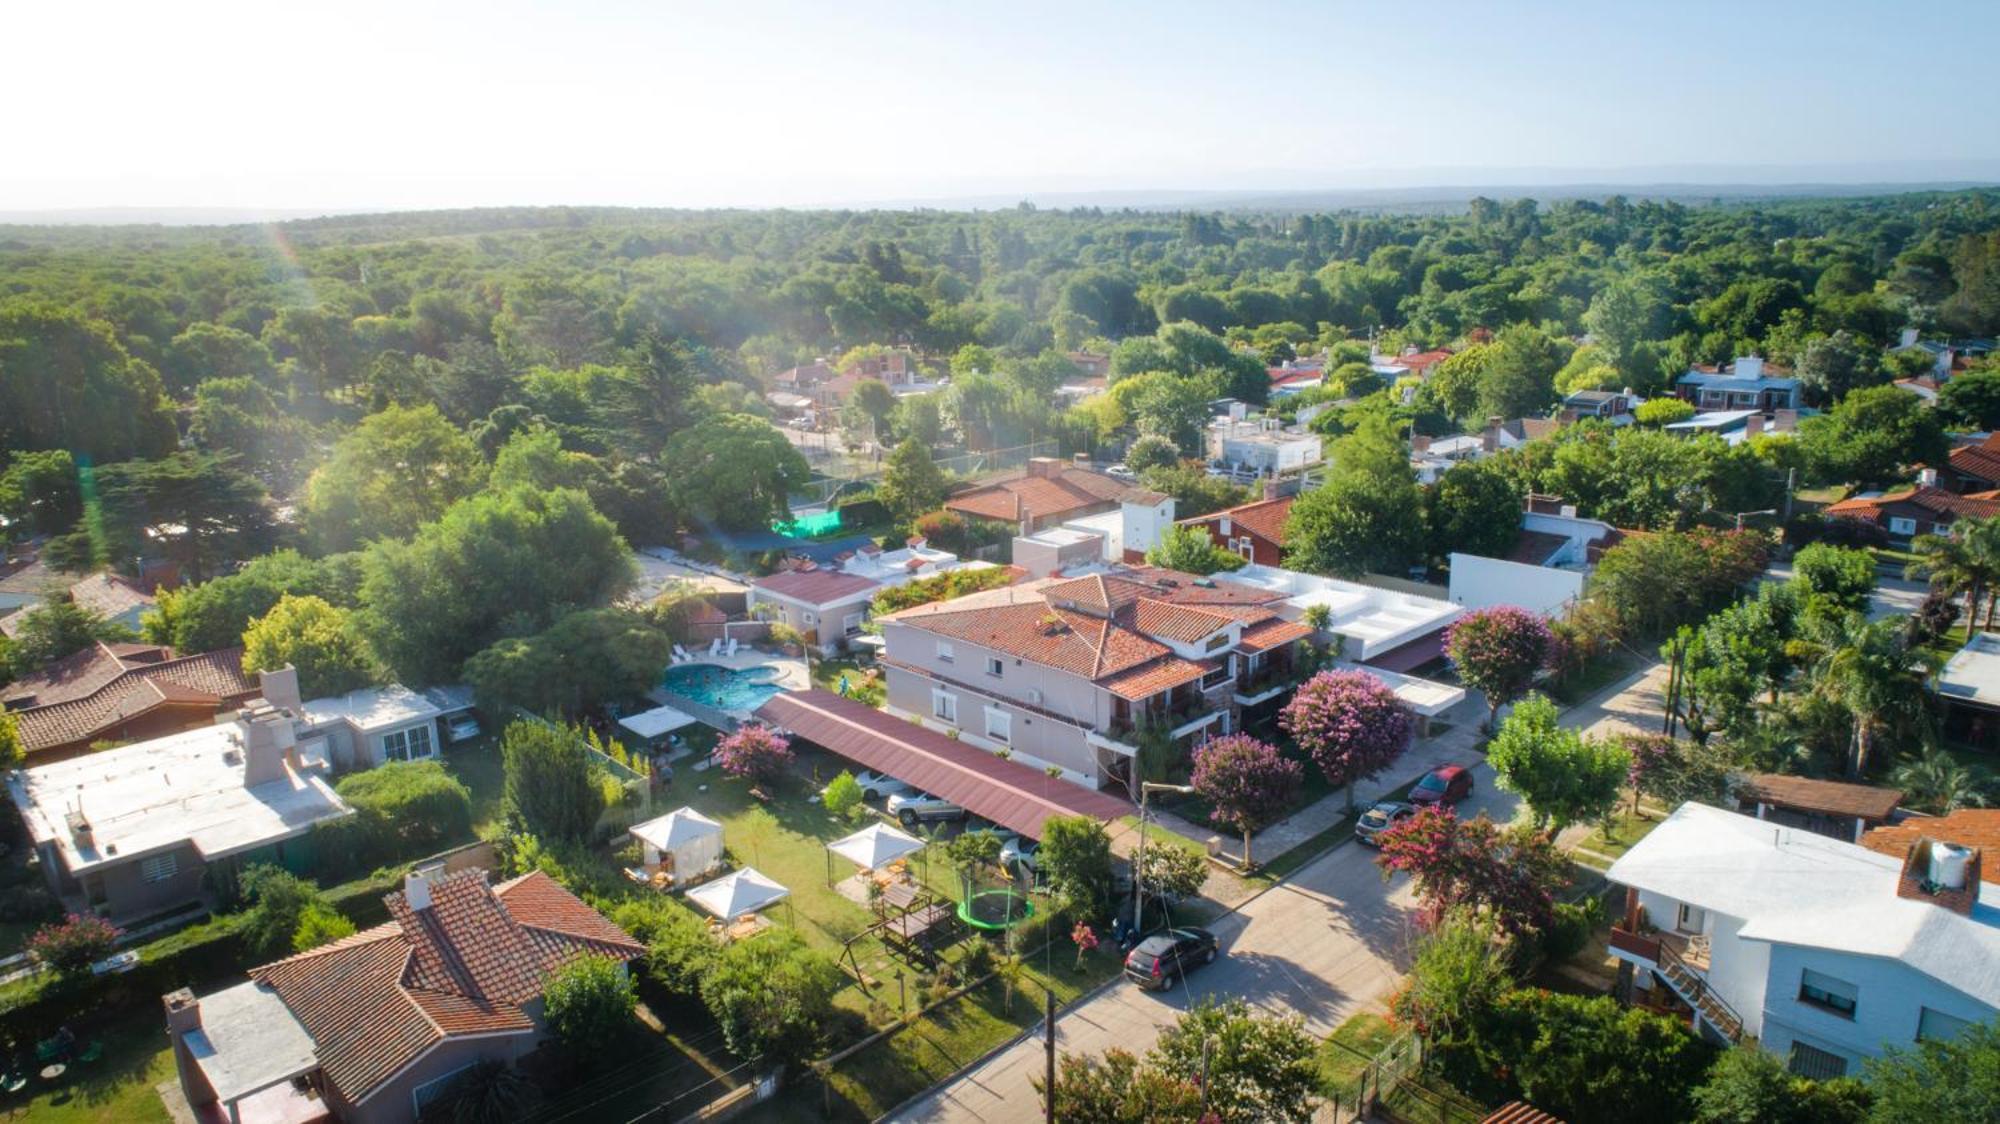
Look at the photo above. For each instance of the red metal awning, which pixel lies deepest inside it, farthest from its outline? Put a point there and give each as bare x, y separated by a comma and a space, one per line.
1012, 795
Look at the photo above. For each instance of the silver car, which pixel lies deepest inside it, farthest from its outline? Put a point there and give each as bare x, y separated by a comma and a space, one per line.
913, 808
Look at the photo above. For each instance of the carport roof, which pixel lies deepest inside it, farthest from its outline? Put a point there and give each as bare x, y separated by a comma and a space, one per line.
1007, 792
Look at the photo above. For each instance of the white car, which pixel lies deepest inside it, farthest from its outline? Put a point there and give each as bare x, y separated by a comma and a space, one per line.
1019, 852
464, 727
878, 785
1121, 472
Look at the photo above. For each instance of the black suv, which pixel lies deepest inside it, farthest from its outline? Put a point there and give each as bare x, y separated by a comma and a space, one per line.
1165, 957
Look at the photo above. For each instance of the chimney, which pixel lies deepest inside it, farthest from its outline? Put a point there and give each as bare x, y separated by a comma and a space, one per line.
1753, 425
417, 890
1489, 438
1748, 366
183, 1011
1044, 466
1419, 443
280, 688
1909, 337
268, 740
1943, 874
183, 1015
79, 827
1271, 486
1928, 477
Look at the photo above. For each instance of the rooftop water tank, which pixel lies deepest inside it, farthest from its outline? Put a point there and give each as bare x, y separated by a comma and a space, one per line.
1948, 863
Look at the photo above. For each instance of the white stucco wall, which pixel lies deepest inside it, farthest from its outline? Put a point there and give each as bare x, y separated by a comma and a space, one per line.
1889, 1000
1478, 582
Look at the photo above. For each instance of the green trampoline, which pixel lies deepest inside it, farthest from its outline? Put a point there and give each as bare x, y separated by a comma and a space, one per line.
996, 910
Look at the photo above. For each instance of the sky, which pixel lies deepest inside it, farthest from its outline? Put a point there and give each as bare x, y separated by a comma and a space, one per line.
366, 105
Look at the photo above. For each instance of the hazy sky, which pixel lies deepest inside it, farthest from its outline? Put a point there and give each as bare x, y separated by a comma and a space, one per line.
427, 104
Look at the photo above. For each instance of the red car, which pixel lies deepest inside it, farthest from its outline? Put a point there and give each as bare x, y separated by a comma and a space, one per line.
1446, 784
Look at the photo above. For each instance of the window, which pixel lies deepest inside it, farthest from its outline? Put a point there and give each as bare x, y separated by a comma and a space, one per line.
944, 651
1215, 678
1936, 1026
1901, 526
413, 744
999, 725
1034, 696
995, 667
1827, 993
1818, 1064
1219, 640
944, 707
159, 868
811, 619
1691, 918
422, 1096
851, 624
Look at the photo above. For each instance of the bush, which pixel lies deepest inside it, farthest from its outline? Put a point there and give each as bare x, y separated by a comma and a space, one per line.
280, 902
756, 752
842, 796
1152, 451
680, 950
405, 809
1586, 1060
318, 925
589, 1004
772, 996
75, 943
1655, 412
551, 784
1570, 931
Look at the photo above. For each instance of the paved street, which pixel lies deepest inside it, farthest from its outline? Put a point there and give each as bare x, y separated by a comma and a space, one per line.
1327, 943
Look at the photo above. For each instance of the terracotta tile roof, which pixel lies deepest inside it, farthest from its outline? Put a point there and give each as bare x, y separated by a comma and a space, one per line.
1531, 429
815, 587
1263, 518
1183, 624
1161, 675
1924, 497
1070, 491
78, 674
1831, 797
109, 595
466, 964
93, 702
1967, 827
1981, 461
1273, 633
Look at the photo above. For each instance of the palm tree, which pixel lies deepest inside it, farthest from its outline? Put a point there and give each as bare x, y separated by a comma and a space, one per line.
1875, 675
1938, 783
1966, 561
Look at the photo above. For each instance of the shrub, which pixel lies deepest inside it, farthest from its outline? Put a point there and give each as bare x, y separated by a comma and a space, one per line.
756, 752
680, 950
1655, 412
589, 1003
318, 925
551, 788
280, 901
772, 996
406, 809
842, 796
73, 944
1570, 930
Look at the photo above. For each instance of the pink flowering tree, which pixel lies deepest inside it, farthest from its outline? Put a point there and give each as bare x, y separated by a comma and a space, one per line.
757, 752
1247, 783
1086, 942
1498, 651
1510, 874
1350, 723
74, 943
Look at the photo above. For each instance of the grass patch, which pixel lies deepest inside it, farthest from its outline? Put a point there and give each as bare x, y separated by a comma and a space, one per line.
115, 1089
476, 765
863, 684
1286, 864
1594, 676
1612, 840
1346, 1053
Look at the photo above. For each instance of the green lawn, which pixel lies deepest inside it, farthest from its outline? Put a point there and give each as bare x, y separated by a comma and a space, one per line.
1618, 837
1345, 1054
826, 674
476, 764
115, 1089
1593, 677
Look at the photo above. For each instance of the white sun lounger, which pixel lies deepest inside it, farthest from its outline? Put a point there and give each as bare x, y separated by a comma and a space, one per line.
715, 647
731, 649
681, 654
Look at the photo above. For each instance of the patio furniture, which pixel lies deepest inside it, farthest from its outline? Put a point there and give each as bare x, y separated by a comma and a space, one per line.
15, 1082
681, 654
729, 652
715, 648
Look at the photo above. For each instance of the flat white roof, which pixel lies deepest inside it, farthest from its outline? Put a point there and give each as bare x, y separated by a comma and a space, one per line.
1382, 619
1973, 674
1062, 536
249, 1040
659, 720
157, 795
1423, 696
1800, 888
1109, 523
372, 709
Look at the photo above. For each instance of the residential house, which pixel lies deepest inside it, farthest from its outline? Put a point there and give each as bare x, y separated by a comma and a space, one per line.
1410, 362
373, 726
802, 379
1066, 672
1969, 687
1613, 406
1050, 492
1061, 550
1973, 828
376, 1027
1262, 446
1554, 535
1737, 426
130, 832
1546, 569
1378, 628
117, 692
1832, 808
1093, 364
1948, 357
1742, 385
27, 584
1824, 952
1973, 468
1500, 434
828, 604
1432, 457
1254, 531
1922, 510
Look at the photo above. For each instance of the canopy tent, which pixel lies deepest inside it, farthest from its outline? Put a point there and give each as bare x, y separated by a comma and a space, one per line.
657, 722
735, 894
876, 846
682, 844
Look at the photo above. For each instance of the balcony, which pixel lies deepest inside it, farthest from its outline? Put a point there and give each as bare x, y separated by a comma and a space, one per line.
1264, 684
1680, 962
1186, 716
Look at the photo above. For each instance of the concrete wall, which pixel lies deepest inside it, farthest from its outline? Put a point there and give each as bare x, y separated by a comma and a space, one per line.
1145, 524
127, 894
1890, 997
1478, 582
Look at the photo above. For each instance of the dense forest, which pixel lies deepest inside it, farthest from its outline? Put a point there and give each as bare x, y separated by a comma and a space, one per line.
392, 390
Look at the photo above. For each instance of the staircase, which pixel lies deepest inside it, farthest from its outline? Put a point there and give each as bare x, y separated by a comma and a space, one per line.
1694, 990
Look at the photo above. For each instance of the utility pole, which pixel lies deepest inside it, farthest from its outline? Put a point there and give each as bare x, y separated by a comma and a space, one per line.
1049, 1078
1146, 788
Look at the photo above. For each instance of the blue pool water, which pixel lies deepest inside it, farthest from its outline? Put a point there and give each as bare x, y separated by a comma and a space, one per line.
721, 687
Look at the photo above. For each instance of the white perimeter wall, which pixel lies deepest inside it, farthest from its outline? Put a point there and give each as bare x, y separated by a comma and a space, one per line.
1478, 582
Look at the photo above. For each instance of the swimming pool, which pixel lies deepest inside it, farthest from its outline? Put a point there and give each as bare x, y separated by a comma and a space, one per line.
721, 687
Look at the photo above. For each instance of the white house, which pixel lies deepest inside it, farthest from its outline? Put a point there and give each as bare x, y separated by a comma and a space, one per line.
371, 726
1825, 952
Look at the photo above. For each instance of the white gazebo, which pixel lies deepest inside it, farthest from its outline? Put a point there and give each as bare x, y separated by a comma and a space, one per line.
681, 846
737, 893
873, 847
651, 725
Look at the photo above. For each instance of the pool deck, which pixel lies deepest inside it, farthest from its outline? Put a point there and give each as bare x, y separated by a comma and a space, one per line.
791, 676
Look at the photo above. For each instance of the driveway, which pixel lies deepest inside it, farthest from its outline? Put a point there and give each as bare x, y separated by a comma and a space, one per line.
1329, 942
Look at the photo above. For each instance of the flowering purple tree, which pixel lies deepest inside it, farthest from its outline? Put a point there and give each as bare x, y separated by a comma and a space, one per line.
1247, 782
1351, 723
757, 752
1498, 650
74, 943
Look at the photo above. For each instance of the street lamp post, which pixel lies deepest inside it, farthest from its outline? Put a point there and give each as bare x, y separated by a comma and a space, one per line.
1146, 788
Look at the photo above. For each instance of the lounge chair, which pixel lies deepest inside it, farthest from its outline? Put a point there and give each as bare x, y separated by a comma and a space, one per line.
715, 648
731, 649
681, 654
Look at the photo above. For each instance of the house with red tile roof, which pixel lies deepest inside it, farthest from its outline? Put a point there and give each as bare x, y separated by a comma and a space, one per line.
1063, 671
828, 604
116, 692
375, 1027
1255, 530
1050, 492
1975, 828
1922, 510
1973, 468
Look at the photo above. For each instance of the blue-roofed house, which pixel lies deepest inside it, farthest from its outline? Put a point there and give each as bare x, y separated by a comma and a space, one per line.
1742, 385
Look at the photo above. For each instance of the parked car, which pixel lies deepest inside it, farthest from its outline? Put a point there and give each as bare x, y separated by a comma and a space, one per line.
1446, 784
1019, 852
912, 808
462, 728
1162, 958
1384, 815
1121, 472
878, 785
